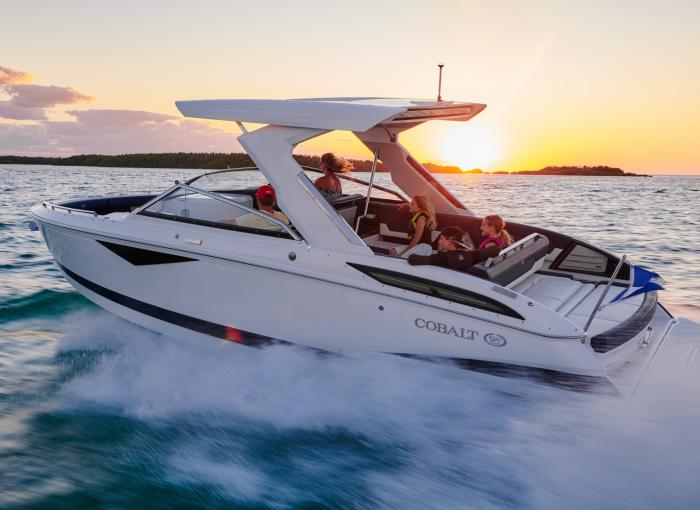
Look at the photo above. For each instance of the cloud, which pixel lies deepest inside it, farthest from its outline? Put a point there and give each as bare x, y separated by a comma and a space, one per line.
29, 101
94, 130
29, 139
44, 96
10, 76
115, 132
8, 110
116, 119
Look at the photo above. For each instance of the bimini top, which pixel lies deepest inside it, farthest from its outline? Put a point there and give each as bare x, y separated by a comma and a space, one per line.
341, 113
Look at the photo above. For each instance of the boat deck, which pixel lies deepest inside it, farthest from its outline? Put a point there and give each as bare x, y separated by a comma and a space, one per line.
576, 299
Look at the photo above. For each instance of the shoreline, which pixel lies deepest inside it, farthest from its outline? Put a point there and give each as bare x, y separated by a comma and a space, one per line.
224, 161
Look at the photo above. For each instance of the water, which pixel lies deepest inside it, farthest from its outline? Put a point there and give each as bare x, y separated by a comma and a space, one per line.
98, 413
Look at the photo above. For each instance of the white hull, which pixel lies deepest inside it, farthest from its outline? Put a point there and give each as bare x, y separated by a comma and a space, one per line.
306, 309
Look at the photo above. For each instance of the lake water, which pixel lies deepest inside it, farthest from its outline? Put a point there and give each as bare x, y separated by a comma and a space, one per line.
98, 413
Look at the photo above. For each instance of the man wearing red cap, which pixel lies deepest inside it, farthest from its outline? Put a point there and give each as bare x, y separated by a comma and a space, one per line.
266, 199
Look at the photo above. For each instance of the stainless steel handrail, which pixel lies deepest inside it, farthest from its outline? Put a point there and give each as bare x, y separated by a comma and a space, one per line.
596, 309
369, 191
70, 210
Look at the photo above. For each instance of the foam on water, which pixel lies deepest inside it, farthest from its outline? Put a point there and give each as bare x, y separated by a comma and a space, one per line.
403, 433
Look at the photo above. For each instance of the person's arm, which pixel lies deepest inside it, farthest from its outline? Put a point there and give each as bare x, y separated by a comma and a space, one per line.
491, 250
436, 259
460, 260
420, 226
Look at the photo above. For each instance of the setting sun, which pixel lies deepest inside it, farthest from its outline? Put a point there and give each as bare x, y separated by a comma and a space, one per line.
469, 147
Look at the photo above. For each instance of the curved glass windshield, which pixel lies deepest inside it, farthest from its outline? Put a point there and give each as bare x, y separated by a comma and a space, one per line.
230, 179
191, 207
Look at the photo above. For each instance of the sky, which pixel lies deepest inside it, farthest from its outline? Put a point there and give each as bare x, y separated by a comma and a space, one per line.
566, 83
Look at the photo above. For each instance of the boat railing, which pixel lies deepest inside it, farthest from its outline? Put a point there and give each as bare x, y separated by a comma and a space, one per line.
69, 210
597, 307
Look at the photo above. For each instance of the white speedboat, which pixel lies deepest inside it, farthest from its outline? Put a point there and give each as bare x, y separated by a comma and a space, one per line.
177, 263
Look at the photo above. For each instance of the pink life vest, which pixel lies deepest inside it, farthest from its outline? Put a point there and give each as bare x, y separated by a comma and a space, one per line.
498, 241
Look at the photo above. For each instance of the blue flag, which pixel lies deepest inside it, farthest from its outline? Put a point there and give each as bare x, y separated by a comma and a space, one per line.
642, 281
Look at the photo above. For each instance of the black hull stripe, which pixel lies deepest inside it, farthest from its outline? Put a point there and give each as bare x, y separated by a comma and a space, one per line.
201, 326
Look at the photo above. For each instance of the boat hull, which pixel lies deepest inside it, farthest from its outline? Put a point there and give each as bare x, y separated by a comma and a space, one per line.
253, 304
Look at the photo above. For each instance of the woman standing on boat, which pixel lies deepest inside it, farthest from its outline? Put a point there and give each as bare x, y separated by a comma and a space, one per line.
329, 184
420, 228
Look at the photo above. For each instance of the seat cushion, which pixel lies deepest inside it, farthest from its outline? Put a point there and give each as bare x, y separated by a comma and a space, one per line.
514, 262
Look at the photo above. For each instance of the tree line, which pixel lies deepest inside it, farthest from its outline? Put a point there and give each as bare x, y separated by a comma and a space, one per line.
194, 160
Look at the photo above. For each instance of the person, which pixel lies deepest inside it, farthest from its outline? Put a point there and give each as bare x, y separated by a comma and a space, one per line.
420, 228
266, 199
493, 228
452, 253
329, 184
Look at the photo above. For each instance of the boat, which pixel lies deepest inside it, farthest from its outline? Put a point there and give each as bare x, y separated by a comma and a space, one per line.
178, 263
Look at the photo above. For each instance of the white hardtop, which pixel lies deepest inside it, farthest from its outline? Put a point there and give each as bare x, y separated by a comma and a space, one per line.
333, 113
376, 122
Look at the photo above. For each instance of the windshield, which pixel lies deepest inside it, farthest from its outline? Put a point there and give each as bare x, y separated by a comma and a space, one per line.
229, 179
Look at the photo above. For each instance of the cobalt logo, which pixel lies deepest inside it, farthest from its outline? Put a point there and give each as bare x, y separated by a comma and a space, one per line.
446, 329
495, 340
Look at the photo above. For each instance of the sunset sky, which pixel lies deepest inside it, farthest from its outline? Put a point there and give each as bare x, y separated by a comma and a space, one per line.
582, 83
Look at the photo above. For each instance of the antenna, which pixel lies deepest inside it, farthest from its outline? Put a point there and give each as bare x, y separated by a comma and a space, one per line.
440, 65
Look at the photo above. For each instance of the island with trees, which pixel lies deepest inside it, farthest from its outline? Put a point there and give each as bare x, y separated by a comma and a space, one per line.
218, 160
600, 171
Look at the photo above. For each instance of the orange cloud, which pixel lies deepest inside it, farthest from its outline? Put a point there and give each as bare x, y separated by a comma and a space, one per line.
10, 76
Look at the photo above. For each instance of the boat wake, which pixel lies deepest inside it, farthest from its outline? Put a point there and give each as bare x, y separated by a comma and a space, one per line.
282, 425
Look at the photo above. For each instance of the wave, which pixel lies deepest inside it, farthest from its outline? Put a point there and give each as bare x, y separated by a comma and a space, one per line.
44, 303
283, 426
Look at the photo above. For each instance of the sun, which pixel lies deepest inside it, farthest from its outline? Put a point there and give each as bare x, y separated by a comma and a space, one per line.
469, 147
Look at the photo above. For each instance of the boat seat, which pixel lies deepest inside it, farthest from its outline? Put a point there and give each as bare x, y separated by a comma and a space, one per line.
347, 206
349, 214
559, 293
514, 263
246, 200
400, 237
387, 239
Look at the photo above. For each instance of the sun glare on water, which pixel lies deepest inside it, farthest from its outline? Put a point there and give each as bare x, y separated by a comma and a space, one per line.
469, 147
